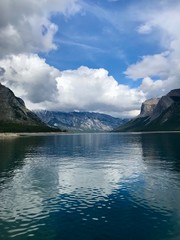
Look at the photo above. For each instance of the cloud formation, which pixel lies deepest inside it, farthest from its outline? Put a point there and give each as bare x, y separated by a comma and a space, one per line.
151, 65
30, 78
2, 71
84, 89
94, 90
165, 18
25, 26
160, 72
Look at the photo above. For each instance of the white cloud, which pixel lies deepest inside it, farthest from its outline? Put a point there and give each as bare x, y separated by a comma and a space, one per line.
30, 78
94, 90
166, 20
83, 89
152, 65
153, 88
25, 26
163, 19
160, 72
25, 29
145, 28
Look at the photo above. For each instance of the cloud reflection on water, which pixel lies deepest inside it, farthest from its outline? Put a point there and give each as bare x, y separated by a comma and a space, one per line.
88, 168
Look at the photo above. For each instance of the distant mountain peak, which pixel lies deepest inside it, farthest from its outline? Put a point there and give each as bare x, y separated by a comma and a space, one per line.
159, 114
80, 121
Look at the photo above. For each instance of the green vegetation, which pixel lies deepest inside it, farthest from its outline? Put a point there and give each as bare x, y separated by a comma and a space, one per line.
19, 127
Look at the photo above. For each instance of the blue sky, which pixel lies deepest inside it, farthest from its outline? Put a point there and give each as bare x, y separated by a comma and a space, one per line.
90, 55
100, 36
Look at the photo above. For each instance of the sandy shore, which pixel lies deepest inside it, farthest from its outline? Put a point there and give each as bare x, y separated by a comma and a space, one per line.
13, 135
8, 135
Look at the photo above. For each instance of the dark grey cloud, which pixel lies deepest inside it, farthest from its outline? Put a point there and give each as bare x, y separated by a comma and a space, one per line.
30, 78
2, 71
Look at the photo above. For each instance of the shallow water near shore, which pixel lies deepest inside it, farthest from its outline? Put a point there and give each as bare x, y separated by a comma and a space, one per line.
90, 186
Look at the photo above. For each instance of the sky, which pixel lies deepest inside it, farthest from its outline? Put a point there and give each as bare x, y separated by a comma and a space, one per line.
103, 56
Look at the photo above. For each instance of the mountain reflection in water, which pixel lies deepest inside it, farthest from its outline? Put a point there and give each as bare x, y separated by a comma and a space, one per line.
90, 186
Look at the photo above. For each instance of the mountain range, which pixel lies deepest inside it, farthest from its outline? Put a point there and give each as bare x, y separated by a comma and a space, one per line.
80, 121
158, 114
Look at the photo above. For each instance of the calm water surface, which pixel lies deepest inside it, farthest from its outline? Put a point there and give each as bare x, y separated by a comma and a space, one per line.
90, 187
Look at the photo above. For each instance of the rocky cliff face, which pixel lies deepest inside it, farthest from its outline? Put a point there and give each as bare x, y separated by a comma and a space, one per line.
148, 107
80, 121
157, 115
165, 105
13, 109
14, 116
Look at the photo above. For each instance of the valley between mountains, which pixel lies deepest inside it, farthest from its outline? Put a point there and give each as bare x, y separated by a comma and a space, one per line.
158, 114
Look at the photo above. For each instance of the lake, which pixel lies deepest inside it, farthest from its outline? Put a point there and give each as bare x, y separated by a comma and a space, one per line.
90, 187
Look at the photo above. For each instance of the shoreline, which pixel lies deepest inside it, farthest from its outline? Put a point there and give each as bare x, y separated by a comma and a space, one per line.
26, 134
7, 135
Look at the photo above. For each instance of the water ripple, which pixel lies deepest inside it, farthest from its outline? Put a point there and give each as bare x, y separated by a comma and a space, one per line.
101, 186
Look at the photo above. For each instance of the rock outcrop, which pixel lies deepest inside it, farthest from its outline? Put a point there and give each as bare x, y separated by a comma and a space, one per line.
157, 115
148, 107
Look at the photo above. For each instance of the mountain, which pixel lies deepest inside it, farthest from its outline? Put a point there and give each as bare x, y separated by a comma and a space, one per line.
80, 121
159, 114
15, 117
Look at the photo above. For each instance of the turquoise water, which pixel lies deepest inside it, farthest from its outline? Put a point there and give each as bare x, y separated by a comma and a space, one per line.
90, 186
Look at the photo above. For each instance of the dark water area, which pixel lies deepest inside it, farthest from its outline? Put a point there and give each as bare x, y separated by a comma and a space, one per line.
90, 187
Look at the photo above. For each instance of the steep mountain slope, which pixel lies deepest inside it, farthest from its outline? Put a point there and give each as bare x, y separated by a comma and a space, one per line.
80, 121
157, 115
15, 117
